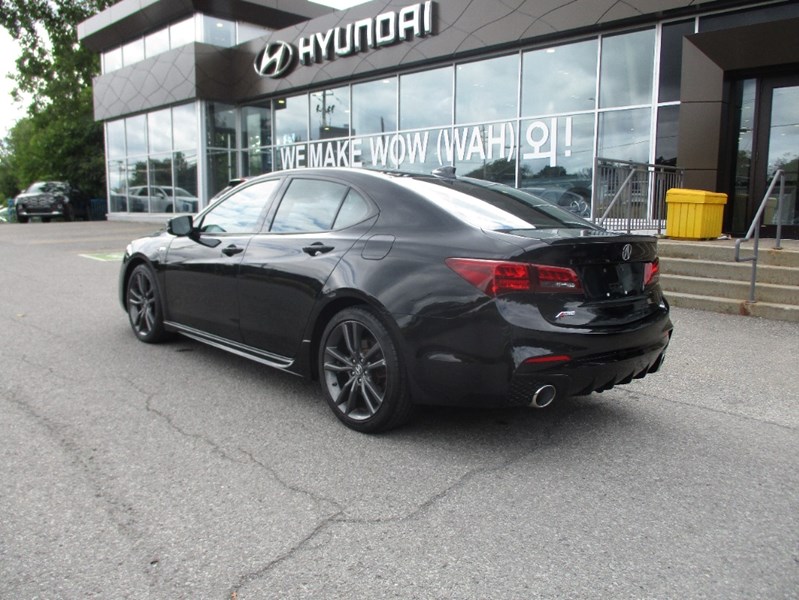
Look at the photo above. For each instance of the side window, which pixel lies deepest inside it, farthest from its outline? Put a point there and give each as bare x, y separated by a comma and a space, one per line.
354, 210
308, 205
241, 212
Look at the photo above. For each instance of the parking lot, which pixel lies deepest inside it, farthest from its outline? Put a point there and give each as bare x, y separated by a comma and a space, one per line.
179, 471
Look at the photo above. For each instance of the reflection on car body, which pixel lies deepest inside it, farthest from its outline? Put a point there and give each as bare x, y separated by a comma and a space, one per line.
394, 289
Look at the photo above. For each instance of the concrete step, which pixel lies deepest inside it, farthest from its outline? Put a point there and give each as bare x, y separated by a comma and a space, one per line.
765, 310
729, 270
733, 290
724, 251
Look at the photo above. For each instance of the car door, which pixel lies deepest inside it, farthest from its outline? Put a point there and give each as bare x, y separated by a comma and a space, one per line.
201, 269
284, 269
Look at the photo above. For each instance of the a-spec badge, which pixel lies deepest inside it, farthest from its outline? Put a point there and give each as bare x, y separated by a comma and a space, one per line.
275, 59
627, 252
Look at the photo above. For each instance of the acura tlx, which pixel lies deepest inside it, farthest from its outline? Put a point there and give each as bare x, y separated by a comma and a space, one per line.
397, 289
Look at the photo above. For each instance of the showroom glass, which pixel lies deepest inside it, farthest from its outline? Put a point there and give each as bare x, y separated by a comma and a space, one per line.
136, 135
426, 99
112, 60
745, 102
159, 131
330, 113
218, 32
241, 212
560, 79
487, 90
115, 138
308, 205
247, 31
374, 107
626, 75
181, 33
256, 130
561, 161
671, 59
156, 43
133, 52
666, 141
291, 119
185, 165
624, 135
184, 127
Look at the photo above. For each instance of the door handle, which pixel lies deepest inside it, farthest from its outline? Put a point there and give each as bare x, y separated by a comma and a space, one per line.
232, 250
317, 248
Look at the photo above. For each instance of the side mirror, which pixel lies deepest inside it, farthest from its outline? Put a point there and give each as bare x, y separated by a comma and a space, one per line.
180, 226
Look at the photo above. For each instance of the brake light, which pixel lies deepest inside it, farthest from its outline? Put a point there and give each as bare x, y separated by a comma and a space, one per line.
651, 272
548, 359
496, 277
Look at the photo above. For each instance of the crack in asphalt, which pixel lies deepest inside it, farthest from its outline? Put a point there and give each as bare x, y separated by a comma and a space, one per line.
542, 439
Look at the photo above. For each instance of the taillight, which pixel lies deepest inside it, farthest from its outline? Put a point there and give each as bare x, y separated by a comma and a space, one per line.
651, 272
496, 277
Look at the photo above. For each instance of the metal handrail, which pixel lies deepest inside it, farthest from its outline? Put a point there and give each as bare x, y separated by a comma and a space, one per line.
754, 229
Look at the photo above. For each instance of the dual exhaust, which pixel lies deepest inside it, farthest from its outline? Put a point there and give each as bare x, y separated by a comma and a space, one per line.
544, 396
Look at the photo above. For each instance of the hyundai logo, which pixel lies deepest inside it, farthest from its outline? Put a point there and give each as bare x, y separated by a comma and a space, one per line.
626, 252
275, 59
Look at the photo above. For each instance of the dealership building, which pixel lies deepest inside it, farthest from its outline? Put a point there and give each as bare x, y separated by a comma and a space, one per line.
194, 93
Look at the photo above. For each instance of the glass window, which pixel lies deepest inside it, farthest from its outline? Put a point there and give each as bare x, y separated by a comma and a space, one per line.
624, 135
112, 60
671, 59
666, 143
159, 131
136, 178
246, 32
256, 123
156, 43
219, 32
133, 52
221, 125
221, 169
182, 33
115, 138
487, 90
136, 135
557, 167
374, 107
560, 79
117, 186
431, 90
240, 212
257, 161
330, 114
184, 127
185, 165
291, 119
354, 210
626, 69
308, 205
743, 18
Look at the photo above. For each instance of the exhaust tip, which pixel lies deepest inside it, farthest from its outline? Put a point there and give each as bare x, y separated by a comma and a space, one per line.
544, 396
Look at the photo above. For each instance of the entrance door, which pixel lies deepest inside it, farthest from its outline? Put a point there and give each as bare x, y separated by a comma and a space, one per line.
776, 145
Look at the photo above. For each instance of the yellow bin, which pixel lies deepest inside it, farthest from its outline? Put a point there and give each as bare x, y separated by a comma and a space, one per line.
694, 214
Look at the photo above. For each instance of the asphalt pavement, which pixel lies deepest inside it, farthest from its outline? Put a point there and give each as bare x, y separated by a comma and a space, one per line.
179, 471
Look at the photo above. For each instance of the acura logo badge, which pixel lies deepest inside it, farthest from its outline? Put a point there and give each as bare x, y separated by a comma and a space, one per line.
275, 59
626, 252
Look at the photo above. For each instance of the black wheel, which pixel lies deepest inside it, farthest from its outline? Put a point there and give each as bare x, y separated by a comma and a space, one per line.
69, 213
45, 219
144, 306
21, 219
362, 374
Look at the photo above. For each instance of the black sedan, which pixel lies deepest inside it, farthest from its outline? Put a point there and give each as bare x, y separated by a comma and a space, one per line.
397, 289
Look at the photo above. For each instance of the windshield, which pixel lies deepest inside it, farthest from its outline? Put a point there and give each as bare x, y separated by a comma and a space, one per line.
48, 187
494, 206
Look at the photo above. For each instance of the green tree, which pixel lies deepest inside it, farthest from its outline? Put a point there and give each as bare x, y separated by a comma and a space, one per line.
59, 139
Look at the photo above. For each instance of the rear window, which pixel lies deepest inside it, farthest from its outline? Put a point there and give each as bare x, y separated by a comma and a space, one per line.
494, 206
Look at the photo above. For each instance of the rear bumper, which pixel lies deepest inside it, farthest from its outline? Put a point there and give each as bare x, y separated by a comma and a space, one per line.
491, 363
39, 212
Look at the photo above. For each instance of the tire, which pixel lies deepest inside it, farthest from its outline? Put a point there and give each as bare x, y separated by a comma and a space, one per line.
144, 306
362, 374
21, 219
